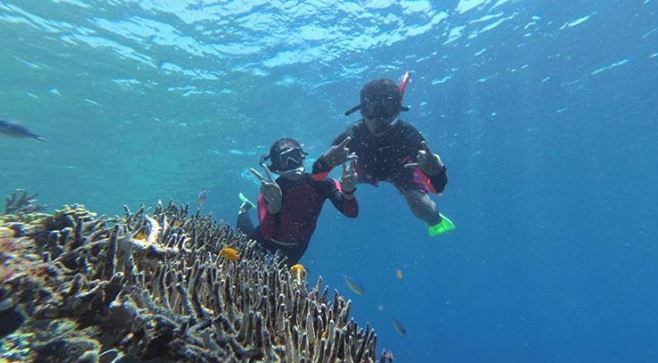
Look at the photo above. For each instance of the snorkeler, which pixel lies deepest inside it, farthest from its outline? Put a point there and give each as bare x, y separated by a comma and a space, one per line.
391, 150
289, 207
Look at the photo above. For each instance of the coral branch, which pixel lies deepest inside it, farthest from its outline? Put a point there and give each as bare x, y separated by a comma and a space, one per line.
153, 285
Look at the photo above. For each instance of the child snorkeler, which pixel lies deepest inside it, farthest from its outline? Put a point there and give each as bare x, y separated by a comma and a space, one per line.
289, 207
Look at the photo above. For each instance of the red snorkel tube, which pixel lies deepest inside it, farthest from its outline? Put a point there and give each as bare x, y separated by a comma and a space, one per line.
403, 87
404, 82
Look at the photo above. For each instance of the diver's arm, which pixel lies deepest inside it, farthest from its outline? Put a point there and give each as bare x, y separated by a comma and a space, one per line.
439, 180
434, 168
321, 169
344, 202
428, 163
335, 155
268, 221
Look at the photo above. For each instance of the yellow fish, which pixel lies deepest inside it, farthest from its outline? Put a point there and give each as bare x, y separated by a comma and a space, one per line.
354, 286
140, 236
298, 270
230, 253
399, 274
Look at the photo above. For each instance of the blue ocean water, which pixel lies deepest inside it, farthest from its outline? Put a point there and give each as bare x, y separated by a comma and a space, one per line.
544, 113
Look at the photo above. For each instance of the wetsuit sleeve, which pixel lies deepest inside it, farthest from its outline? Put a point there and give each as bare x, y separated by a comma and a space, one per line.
437, 182
331, 190
321, 168
268, 222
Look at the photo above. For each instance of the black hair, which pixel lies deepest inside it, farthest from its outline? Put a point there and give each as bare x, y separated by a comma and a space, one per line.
381, 97
381, 89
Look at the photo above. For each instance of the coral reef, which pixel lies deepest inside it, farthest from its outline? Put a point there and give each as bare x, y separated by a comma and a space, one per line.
20, 202
156, 285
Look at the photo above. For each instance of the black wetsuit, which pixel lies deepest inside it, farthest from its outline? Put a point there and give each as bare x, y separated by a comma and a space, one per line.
382, 158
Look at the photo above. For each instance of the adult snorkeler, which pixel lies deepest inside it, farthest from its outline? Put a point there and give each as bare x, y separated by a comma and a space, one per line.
289, 207
391, 150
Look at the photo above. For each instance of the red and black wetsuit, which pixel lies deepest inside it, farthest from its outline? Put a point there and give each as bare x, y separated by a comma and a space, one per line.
292, 227
382, 158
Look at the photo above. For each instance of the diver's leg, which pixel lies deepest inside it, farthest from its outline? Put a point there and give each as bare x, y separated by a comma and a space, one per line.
422, 206
244, 223
426, 210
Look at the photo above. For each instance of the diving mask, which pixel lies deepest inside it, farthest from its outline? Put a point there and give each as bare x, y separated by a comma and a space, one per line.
289, 160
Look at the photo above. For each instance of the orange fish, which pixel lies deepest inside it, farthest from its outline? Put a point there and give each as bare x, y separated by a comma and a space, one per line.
230, 253
399, 274
298, 270
140, 236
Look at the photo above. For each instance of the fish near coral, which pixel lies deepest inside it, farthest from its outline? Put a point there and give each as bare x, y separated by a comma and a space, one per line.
140, 236
386, 357
354, 286
17, 131
399, 328
230, 253
299, 272
202, 198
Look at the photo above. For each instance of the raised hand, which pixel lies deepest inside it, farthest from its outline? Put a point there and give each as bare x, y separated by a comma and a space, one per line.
429, 162
269, 189
349, 178
339, 154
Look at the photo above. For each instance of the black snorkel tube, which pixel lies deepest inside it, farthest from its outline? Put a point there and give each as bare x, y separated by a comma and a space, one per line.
403, 88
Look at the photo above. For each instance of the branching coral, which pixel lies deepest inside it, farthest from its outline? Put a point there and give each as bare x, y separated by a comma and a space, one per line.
21, 202
154, 285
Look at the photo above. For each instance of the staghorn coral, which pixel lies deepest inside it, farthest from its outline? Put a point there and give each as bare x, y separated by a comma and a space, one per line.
153, 285
20, 202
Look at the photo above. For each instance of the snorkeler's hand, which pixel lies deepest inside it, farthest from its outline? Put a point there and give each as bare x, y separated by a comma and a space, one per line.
269, 189
272, 194
349, 178
338, 154
429, 162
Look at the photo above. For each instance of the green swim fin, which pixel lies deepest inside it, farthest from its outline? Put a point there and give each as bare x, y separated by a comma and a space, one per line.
246, 203
442, 227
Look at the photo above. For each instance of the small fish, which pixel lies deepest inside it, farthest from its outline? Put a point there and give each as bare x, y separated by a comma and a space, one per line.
230, 253
354, 286
17, 131
386, 357
399, 327
399, 274
298, 270
202, 197
140, 236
